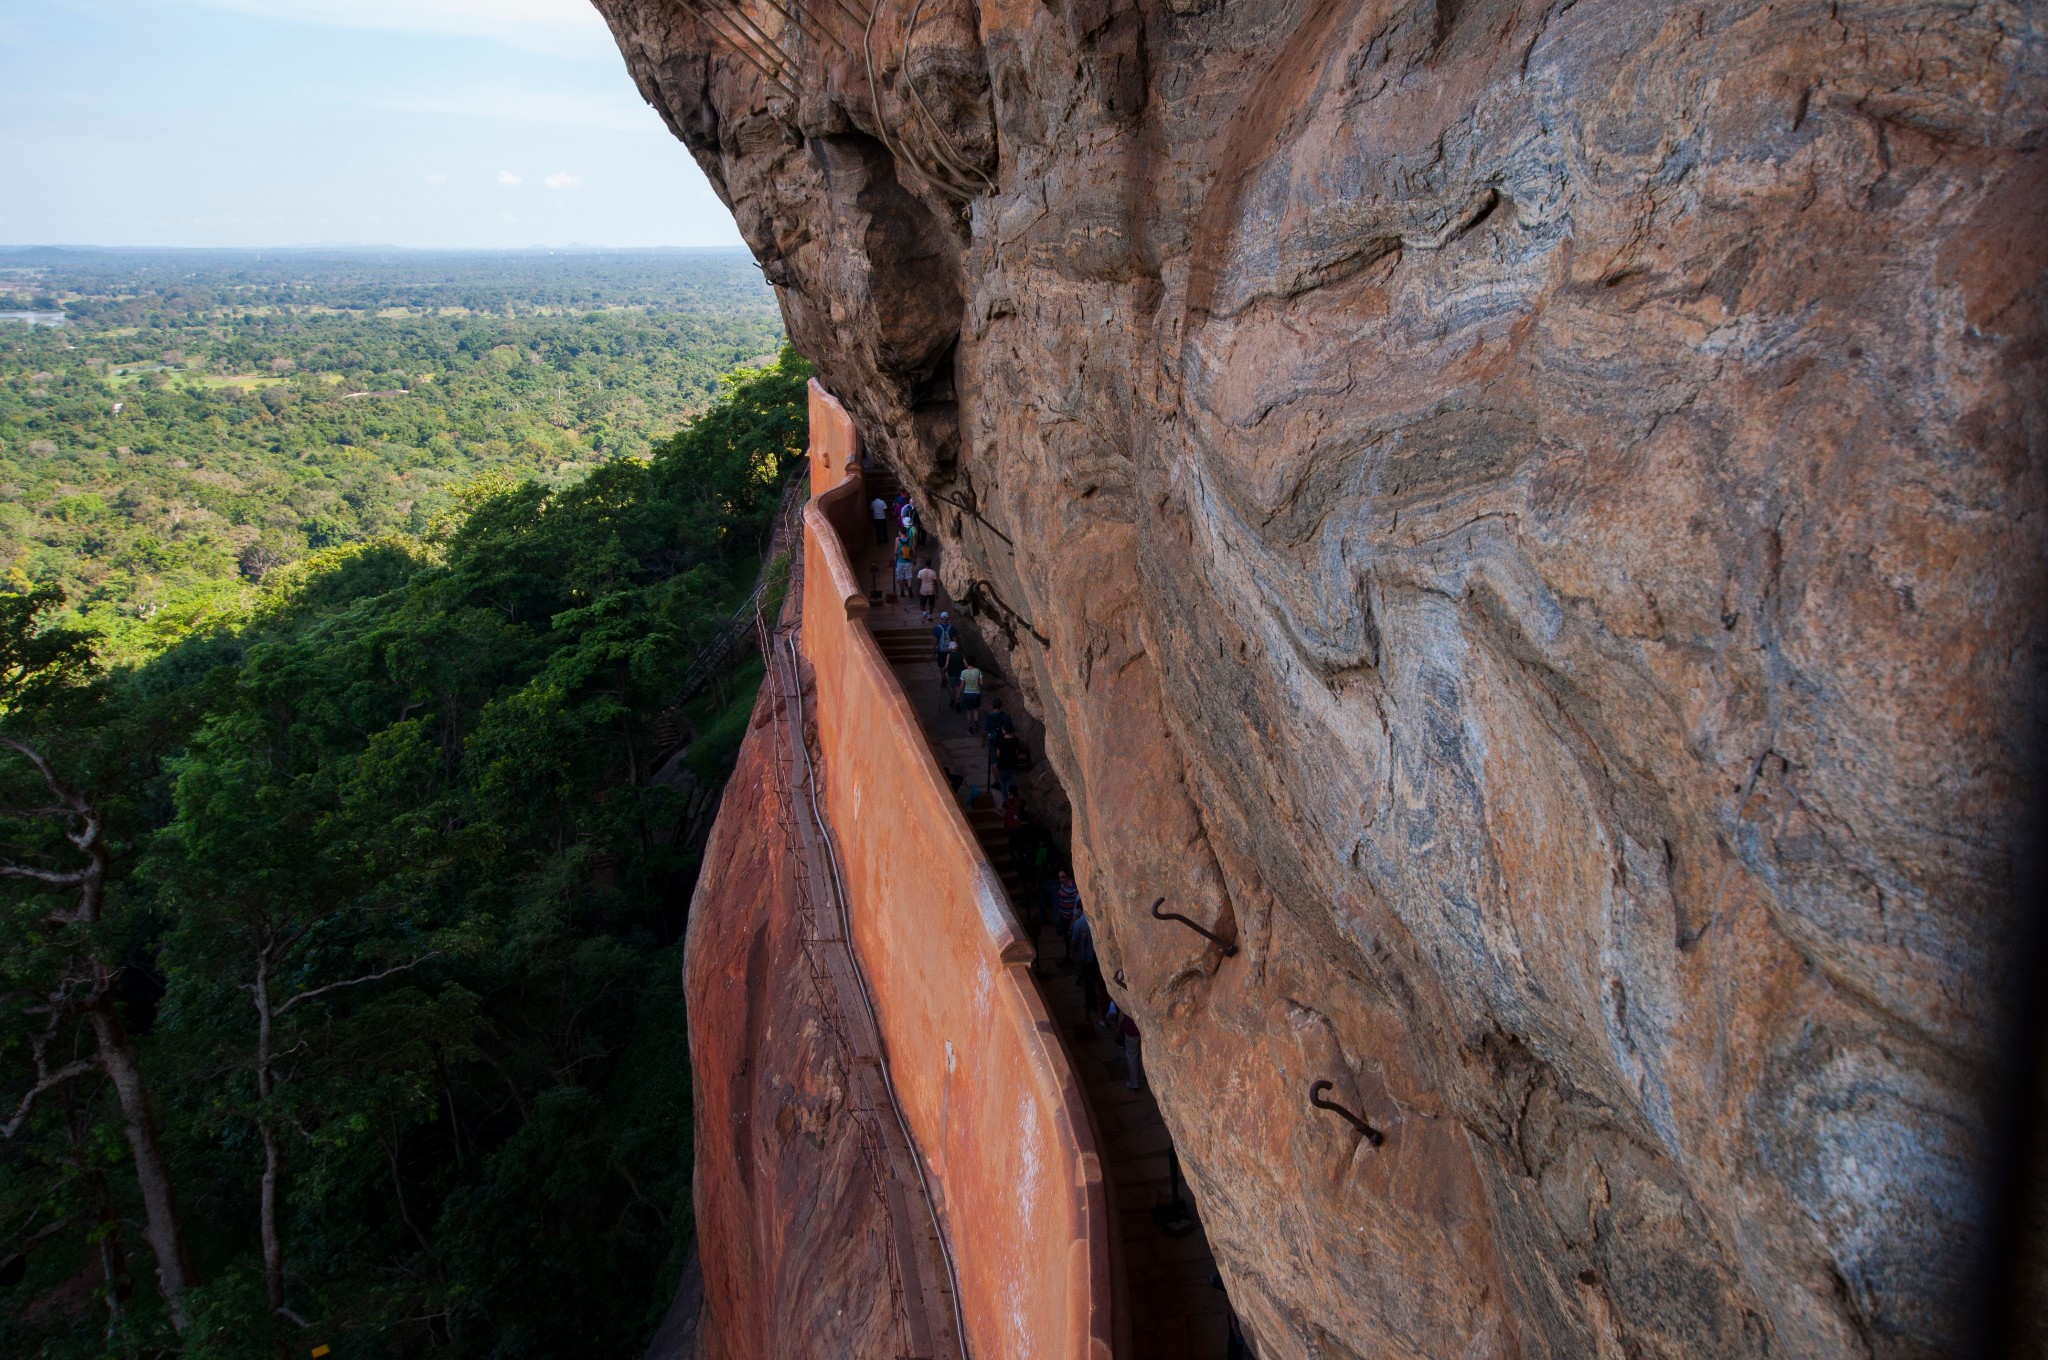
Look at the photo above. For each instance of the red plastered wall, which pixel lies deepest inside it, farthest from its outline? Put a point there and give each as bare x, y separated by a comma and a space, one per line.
976, 1064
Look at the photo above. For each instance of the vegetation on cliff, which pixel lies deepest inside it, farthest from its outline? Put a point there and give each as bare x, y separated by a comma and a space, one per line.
338, 970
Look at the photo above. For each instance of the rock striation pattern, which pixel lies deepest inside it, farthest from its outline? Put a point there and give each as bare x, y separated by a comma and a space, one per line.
1528, 517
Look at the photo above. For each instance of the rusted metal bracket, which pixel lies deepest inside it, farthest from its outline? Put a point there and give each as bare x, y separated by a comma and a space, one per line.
954, 500
1367, 1131
1007, 619
1229, 949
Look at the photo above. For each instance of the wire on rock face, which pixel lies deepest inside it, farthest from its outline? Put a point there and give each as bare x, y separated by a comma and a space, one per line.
958, 166
789, 9
949, 151
757, 56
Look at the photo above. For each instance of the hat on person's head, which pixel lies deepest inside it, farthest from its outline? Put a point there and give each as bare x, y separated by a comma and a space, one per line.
944, 615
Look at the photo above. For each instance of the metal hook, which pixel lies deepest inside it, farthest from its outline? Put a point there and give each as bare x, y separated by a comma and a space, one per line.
1315, 1098
1007, 618
1226, 946
958, 504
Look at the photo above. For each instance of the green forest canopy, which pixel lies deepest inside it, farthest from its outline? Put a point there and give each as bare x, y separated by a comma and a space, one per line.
204, 417
394, 870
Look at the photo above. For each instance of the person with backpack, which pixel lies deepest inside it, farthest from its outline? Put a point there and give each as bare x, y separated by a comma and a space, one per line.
945, 642
903, 561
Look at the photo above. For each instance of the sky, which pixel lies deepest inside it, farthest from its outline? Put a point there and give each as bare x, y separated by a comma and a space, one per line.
429, 123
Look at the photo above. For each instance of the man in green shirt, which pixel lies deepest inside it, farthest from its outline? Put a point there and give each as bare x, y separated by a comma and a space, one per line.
970, 695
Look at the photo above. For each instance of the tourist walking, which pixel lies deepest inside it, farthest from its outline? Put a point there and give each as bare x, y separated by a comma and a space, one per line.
879, 509
1081, 949
1066, 906
970, 695
950, 671
994, 725
945, 641
927, 588
1023, 839
1006, 758
903, 571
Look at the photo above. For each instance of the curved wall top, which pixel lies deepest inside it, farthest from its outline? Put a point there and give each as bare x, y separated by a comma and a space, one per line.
976, 1063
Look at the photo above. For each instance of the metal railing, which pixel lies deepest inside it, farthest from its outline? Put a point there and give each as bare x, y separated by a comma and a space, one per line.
738, 630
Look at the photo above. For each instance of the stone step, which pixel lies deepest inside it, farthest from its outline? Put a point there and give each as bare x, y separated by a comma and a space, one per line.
1175, 1312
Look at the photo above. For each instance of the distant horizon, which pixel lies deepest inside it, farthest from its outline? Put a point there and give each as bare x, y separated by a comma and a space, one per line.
372, 248
336, 124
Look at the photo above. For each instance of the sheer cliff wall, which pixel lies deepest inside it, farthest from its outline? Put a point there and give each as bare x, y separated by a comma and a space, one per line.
1527, 516
978, 1071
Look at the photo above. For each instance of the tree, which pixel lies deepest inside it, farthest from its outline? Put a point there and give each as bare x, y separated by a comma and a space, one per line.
264, 869
408, 856
57, 846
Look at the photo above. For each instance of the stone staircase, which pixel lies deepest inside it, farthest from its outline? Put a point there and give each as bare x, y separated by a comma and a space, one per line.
1174, 1312
903, 646
881, 481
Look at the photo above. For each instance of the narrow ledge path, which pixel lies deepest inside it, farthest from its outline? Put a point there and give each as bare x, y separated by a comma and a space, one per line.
1174, 1309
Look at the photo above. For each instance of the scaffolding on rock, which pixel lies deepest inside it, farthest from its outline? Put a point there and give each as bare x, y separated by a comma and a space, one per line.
730, 21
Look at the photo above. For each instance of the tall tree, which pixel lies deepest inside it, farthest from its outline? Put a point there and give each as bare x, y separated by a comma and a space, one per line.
56, 839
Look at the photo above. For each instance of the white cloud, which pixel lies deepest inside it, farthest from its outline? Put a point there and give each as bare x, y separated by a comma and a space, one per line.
437, 178
562, 179
527, 23
509, 180
509, 217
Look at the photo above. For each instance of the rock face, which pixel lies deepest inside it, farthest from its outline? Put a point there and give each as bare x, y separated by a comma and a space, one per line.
1534, 516
793, 1227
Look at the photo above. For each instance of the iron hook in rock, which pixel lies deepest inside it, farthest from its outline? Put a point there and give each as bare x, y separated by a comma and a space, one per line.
1226, 946
1315, 1098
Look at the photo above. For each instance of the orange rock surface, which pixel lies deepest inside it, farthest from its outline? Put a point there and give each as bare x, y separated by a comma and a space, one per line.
1534, 513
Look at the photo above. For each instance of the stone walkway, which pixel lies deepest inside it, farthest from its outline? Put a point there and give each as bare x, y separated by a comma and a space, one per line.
1174, 1311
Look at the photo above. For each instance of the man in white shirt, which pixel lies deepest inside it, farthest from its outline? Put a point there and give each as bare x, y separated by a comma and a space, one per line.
879, 508
927, 588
